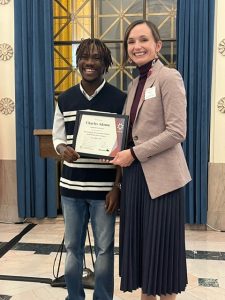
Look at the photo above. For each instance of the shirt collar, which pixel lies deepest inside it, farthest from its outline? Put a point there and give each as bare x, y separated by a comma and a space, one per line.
95, 93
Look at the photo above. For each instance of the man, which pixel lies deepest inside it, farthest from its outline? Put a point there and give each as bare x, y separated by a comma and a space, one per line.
89, 188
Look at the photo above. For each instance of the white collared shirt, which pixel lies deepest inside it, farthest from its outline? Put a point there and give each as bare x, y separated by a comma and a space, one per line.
95, 92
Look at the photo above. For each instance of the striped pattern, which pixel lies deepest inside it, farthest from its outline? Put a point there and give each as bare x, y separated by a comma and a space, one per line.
152, 246
70, 116
89, 164
86, 186
87, 177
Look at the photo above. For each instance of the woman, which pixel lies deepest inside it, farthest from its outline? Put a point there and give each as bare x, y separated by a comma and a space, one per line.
152, 246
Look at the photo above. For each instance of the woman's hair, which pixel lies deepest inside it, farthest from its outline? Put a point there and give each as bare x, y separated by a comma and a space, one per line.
151, 26
87, 44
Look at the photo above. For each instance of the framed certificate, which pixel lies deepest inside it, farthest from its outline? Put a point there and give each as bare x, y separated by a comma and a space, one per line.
99, 135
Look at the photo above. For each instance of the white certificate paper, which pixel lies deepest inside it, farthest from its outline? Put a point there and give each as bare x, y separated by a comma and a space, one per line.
100, 134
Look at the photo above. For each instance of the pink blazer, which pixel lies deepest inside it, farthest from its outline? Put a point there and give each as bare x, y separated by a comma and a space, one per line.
159, 128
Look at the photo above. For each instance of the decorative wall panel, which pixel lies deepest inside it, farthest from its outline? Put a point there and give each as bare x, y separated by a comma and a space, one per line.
107, 20
221, 47
3, 2
221, 105
6, 52
8, 177
6, 106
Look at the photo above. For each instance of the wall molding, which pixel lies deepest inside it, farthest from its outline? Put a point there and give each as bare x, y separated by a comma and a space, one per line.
4, 2
221, 47
7, 106
6, 52
221, 105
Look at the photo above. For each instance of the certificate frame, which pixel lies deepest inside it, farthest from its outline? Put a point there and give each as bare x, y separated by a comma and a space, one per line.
99, 134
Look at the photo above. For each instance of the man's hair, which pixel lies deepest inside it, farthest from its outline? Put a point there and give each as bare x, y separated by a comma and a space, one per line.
85, 47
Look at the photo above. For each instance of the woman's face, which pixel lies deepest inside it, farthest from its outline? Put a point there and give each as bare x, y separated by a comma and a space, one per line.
141, 46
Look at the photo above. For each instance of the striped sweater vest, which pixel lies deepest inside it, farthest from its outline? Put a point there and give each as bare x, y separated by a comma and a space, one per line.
87, 178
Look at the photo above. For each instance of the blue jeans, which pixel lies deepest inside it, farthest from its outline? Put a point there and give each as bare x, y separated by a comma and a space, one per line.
77, 213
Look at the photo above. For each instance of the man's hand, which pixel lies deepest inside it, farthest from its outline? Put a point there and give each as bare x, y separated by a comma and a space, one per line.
112, 200
67, 153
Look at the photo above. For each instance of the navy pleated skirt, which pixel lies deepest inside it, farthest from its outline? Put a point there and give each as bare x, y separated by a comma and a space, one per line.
152, 242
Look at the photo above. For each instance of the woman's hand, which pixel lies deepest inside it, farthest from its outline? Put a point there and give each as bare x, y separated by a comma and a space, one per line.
123, 158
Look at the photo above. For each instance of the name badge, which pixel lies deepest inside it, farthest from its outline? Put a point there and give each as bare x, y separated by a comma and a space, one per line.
150, 93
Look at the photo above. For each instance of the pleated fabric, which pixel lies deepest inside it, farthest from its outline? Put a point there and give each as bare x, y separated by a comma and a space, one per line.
152, 242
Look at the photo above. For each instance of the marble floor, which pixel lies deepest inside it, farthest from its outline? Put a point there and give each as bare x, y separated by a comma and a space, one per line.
28, 252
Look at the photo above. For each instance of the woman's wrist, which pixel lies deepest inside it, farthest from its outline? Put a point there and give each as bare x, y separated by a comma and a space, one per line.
132, 153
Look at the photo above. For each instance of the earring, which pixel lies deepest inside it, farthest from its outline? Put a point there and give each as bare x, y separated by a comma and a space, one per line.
130, 60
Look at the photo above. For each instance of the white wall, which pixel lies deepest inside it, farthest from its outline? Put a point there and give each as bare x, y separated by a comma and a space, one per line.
7, 84
8, 179
217, 136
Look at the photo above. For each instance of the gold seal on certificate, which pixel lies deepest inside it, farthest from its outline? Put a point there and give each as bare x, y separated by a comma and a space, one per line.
99, 134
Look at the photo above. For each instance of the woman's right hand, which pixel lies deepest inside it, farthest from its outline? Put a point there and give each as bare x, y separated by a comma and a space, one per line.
123, 158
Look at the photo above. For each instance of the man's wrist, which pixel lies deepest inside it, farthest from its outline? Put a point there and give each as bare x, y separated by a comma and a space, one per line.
117, 185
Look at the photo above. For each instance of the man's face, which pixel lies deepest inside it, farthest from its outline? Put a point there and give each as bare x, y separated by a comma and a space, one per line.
91, 65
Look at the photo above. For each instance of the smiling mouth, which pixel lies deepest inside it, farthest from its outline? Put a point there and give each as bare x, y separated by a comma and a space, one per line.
139, 54
89, 70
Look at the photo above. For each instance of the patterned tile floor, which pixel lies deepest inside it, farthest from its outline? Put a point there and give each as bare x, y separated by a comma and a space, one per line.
32, 250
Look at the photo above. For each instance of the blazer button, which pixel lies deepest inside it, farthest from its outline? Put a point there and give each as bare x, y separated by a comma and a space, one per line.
135, 138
